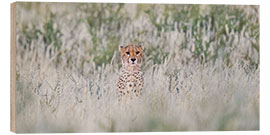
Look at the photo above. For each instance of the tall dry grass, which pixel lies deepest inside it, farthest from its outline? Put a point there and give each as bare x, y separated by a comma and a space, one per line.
201, 67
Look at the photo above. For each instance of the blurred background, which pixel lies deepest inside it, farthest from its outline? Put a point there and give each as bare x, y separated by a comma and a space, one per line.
201, 66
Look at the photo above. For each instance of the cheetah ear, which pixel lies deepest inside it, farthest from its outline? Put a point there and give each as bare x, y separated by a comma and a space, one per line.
120, 47
140, 45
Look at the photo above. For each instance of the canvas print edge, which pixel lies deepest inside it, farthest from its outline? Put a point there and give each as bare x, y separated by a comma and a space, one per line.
13, 68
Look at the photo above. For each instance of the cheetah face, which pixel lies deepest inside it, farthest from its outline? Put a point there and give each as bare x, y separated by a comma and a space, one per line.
131, 55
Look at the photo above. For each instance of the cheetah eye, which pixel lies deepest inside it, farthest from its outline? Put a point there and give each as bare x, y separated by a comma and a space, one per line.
137, 52
127, 53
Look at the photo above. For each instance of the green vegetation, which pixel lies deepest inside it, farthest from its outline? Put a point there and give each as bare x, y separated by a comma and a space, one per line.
209, 32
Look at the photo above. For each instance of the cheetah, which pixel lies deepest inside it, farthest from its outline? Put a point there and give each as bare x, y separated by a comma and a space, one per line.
130, 81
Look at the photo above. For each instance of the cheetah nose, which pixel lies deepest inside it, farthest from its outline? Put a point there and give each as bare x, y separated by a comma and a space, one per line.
133, 59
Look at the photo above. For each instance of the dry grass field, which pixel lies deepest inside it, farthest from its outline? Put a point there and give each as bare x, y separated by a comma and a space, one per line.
201, 67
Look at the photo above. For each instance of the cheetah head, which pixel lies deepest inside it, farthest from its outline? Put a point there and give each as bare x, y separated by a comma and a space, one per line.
131, 56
